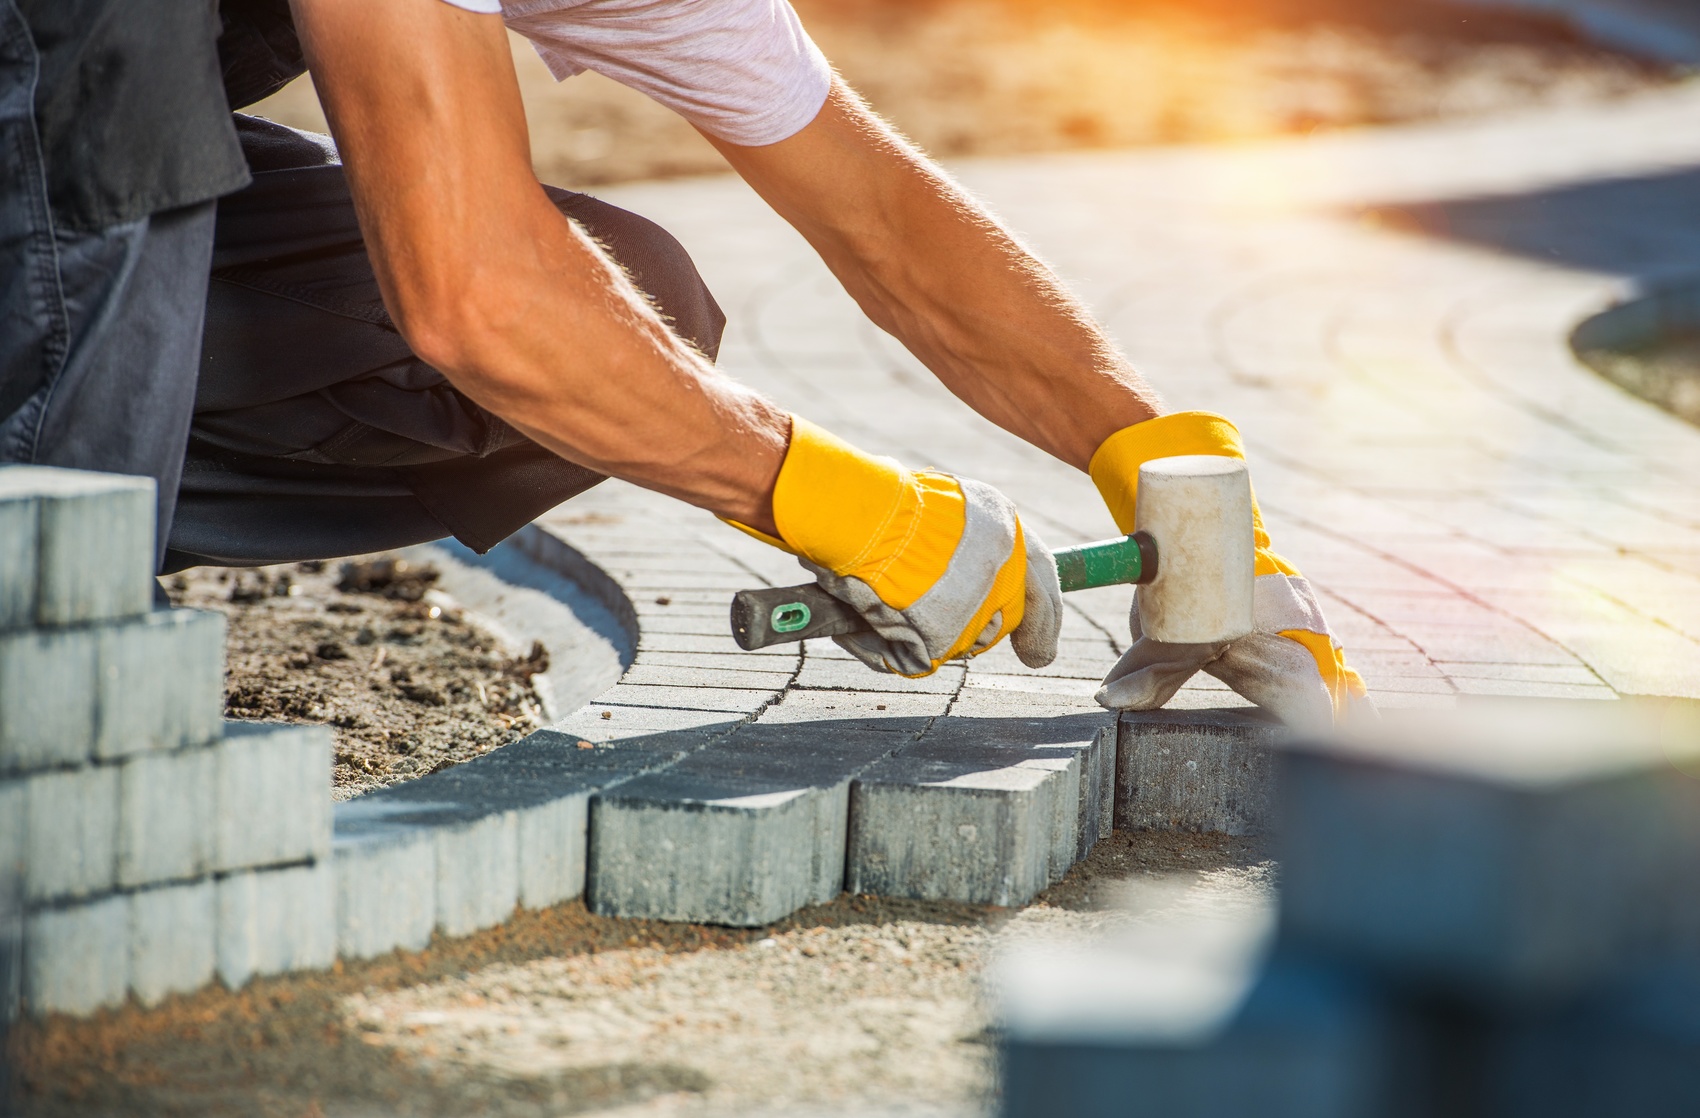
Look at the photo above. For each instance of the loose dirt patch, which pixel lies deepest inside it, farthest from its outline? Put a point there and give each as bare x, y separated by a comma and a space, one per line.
1666, 373
860, 1005
407, 681
974, 77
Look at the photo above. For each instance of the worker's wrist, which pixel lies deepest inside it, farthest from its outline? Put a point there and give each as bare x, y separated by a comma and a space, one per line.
1115, 464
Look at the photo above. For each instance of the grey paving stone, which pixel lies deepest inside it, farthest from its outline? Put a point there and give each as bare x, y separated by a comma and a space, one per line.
985, 811
510, 826
623, 723
873, 707
274, 803
718, 643
1115, 1033
980, 702
1628, 1049
386, 885
727, 700
14, 817
741, 832
1195, 770
161, 682
47, 699
1529, 848
166, 816
703, 676
96, 551
172, 932
19, 544
832, 674
276, 921
77, 958
71, 846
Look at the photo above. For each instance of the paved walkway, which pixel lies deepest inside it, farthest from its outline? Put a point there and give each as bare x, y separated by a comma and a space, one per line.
1385, 316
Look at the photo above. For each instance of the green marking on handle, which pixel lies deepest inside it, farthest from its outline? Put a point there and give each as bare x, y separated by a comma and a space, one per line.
789, 618
1110, 563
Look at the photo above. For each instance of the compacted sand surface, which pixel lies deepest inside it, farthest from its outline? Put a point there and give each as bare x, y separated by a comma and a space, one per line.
862, 1006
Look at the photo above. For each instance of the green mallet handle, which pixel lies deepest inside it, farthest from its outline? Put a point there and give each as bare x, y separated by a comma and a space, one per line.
793, 613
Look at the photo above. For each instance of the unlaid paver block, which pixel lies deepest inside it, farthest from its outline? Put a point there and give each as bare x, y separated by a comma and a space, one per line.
96, 549
47, 699
166, 816
19, 543
742, 832
1519, 847
1195, 770
984, 811
77, 958
161, 683
1628, 1050
1113, 1033
172, 931
71, 842
386, 885
276, 921
274, 804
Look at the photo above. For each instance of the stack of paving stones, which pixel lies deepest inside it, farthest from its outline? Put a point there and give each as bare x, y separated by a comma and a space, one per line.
153, 845
1488, 913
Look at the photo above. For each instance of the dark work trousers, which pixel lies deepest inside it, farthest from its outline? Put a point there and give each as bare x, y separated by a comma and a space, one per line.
316, 431
99, 330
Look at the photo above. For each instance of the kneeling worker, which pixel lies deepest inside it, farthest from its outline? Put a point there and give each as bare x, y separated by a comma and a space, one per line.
408, 337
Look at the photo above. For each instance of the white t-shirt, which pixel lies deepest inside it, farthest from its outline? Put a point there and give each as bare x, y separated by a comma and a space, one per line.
742, 70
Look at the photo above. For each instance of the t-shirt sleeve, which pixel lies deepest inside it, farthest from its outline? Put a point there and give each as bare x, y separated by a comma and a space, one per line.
744, 71
487, 7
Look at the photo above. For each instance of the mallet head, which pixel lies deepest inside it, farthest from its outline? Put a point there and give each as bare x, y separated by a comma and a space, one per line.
1197, 508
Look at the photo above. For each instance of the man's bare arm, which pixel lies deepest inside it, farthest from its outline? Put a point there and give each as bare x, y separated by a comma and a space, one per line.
935, 269
492, 286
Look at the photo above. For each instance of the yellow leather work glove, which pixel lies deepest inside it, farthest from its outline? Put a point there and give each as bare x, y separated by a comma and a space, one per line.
1290, 664
940, 566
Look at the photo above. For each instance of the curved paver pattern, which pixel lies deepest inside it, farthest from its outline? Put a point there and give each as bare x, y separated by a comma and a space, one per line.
1384, 313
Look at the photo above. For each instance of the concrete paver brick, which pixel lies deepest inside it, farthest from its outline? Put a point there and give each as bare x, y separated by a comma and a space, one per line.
96, 549
1526, 847
1297, 1041
1199, 770
77, 958
275, 921
167, 808
14, 831
837, 707
161, 682
742, 832
272, 806
985, 811
386, 886
47, 698
172, 933
19, 544
71, 848
727, 700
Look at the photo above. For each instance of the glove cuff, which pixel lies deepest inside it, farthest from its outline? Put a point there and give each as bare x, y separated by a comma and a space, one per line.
1115, 464
860, 516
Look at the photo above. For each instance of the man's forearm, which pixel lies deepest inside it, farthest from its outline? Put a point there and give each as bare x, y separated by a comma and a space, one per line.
492, 286
931, 266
